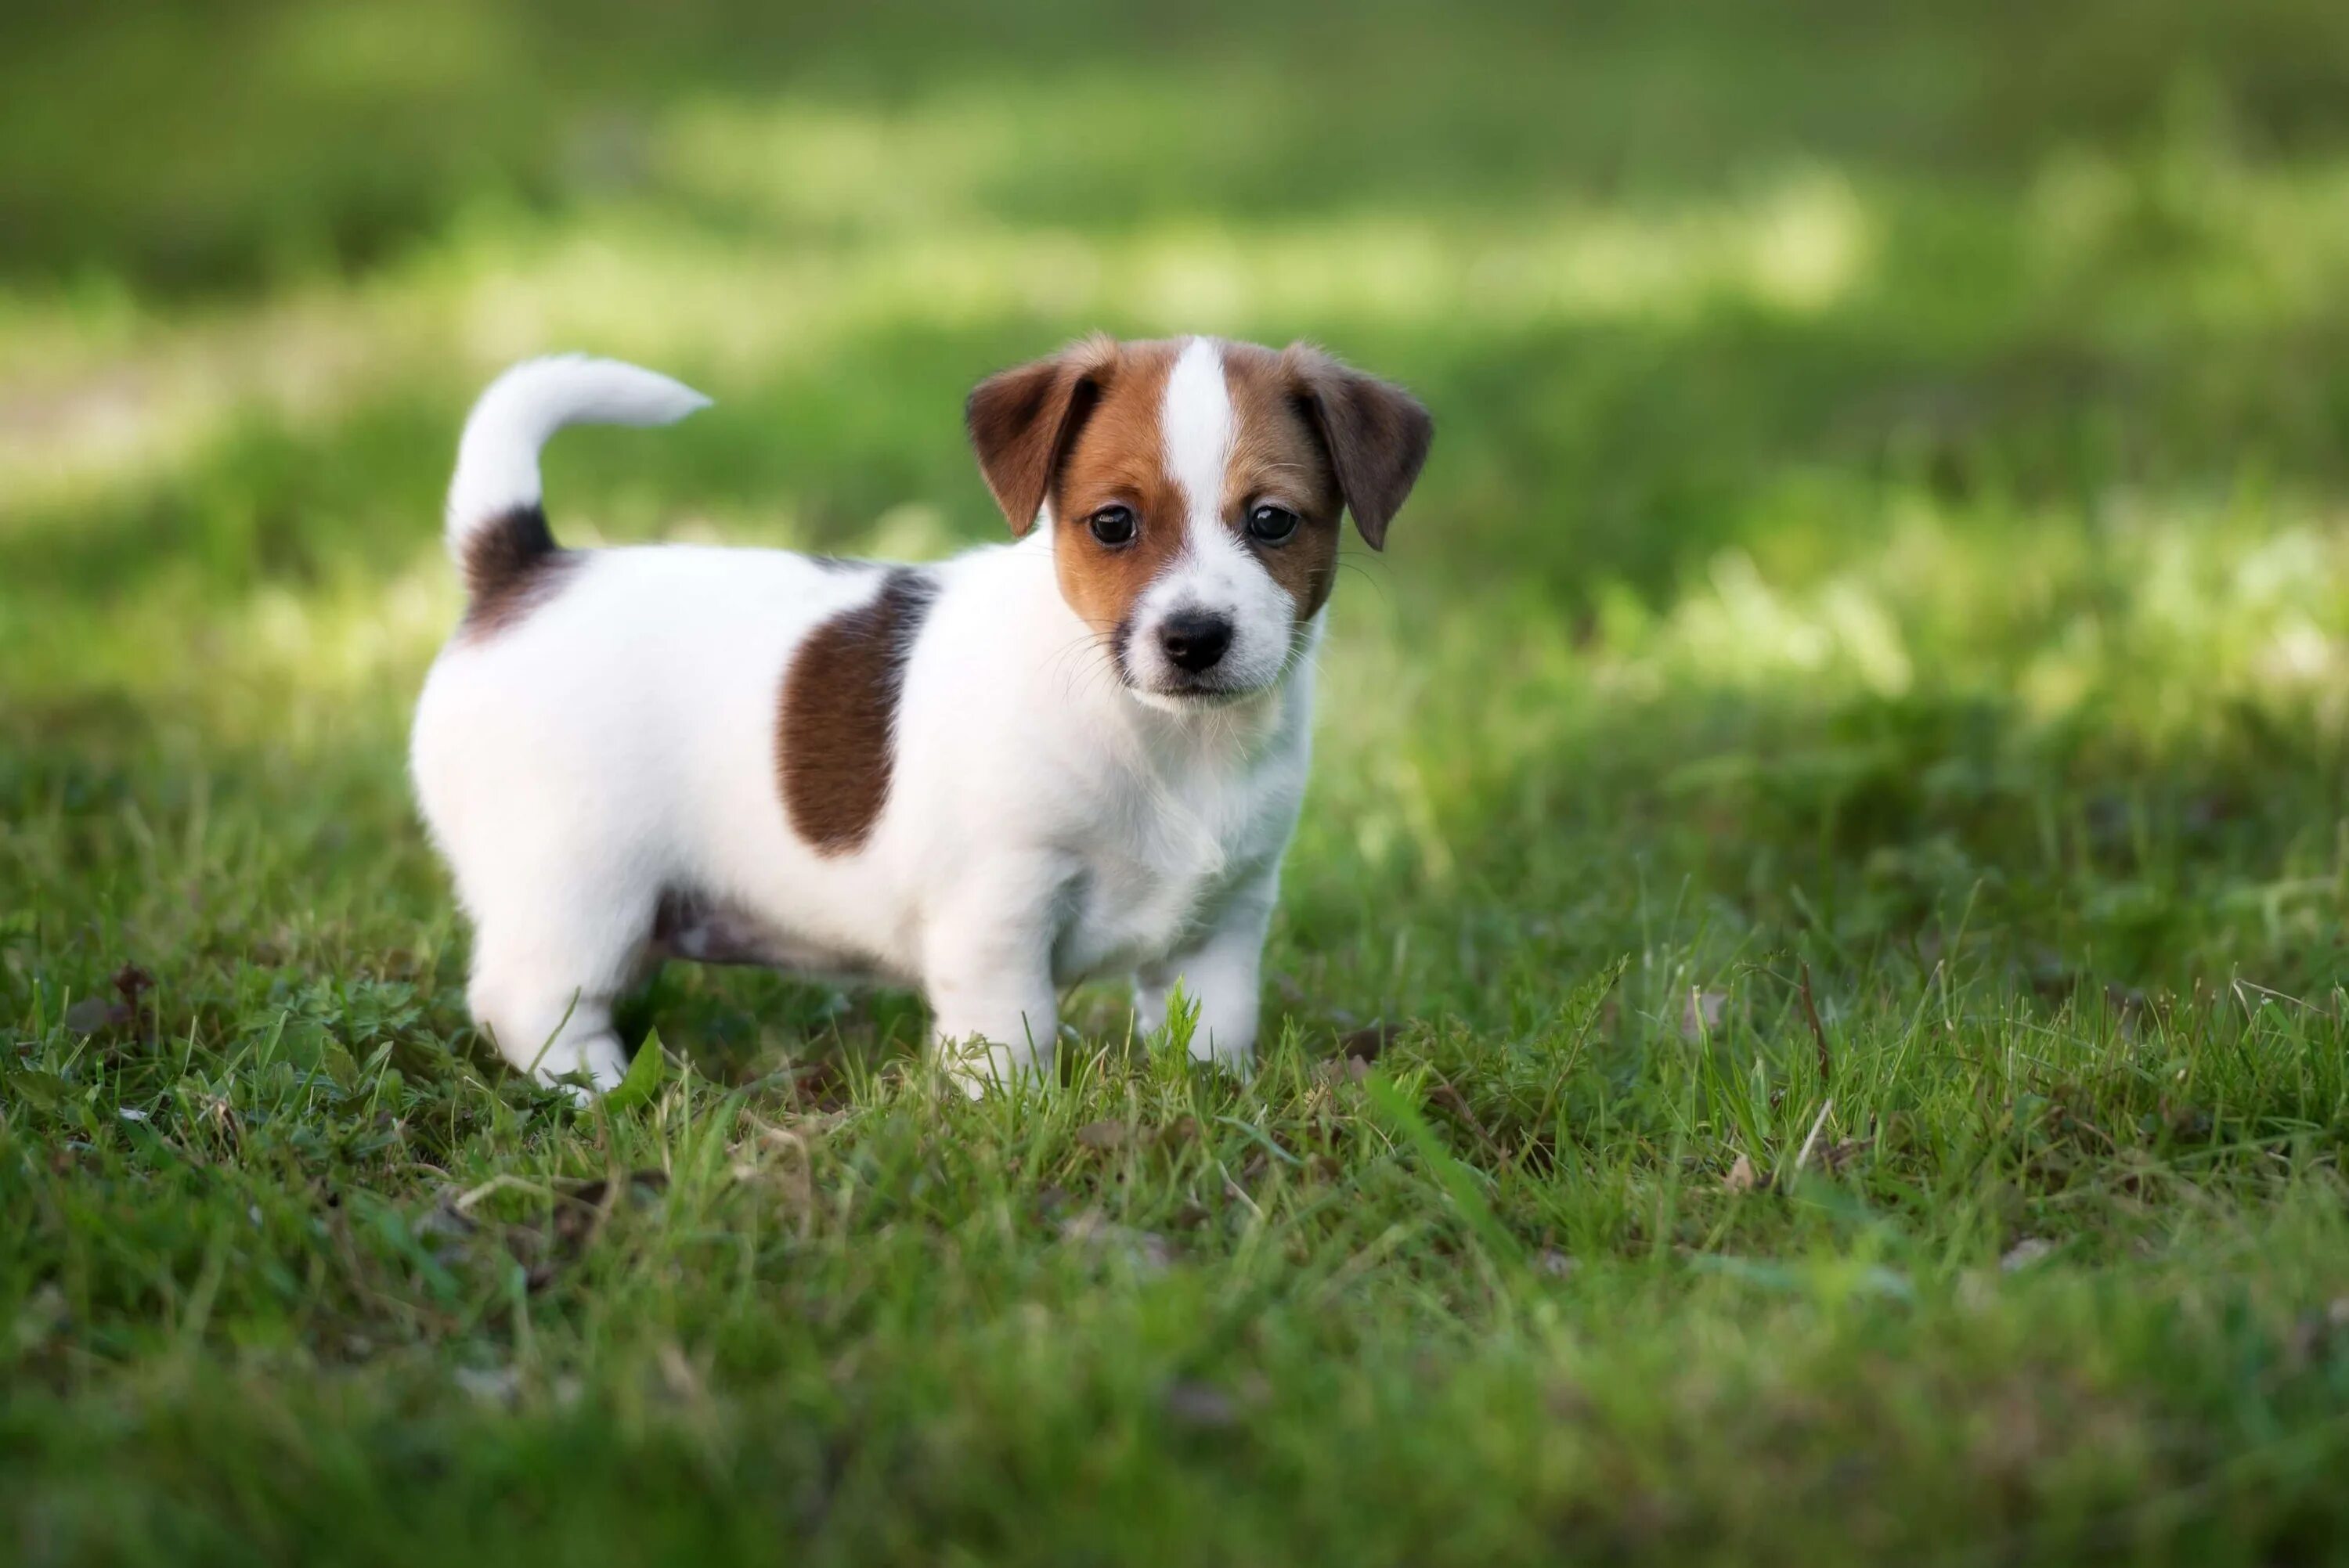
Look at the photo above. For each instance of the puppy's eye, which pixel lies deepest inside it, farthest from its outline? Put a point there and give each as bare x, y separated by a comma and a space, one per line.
1271, 524
1112, 524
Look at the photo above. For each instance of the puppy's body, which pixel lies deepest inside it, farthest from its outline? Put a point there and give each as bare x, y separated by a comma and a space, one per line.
988, 776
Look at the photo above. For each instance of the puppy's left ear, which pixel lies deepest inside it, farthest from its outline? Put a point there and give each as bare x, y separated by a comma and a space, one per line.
1376, 433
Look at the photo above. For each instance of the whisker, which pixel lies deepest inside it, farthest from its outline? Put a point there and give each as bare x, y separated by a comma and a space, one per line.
1377, 580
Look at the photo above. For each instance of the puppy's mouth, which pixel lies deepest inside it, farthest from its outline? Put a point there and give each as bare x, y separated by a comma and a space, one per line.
1194, 691
1182, 690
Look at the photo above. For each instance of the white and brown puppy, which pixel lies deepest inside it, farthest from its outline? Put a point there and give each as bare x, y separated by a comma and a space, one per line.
1074, 755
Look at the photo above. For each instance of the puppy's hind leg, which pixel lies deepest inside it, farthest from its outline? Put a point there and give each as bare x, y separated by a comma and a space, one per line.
545, 976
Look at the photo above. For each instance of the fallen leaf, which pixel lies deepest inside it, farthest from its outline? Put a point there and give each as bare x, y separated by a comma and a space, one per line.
2025, 1252
1344, 1069
1741, 1177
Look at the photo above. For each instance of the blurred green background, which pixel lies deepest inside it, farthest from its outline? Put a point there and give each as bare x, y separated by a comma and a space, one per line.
1867, 415
1885, 527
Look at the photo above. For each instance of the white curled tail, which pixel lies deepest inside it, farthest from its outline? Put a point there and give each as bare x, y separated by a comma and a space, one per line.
497, 458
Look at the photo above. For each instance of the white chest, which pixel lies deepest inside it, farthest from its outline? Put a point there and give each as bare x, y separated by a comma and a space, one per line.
1154, 874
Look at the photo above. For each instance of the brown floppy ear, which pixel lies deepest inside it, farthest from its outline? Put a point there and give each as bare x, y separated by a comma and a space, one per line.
1022, 421
1377, 435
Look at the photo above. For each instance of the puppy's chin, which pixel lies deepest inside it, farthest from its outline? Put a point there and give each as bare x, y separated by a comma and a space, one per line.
1192, 699
1156, 685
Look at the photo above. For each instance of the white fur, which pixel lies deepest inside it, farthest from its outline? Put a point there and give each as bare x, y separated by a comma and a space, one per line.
1214, 572
1196, 426
497, 458
1043, 825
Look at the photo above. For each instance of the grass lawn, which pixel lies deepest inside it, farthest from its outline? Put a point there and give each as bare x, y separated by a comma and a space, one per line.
1806, 1016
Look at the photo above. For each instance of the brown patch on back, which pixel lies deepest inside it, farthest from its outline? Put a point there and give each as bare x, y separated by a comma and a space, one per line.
1277, 458
512, 566
1119, 459
834, 746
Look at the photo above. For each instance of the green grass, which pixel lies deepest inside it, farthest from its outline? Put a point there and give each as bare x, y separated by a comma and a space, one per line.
1832, 802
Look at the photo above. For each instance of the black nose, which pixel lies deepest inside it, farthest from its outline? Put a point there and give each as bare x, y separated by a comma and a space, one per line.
1195, 640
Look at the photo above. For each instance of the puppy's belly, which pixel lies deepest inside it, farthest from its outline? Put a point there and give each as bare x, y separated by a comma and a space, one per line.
709, 931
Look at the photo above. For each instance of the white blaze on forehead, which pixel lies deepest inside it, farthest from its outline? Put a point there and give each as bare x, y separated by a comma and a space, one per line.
1214, 572
1196, 426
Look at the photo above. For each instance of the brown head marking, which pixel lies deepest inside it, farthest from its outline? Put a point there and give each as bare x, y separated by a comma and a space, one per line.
1022, 420
1096, 432
1279, 458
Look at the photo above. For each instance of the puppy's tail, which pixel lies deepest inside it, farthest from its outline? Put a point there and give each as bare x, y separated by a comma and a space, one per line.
496, 526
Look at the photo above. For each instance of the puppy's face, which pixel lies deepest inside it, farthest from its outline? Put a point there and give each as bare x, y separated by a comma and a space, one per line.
1194, 488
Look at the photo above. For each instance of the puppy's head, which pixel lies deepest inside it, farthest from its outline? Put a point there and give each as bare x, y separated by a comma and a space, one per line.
1194, 489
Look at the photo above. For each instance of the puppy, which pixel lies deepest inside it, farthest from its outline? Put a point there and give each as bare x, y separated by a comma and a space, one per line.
1078, 754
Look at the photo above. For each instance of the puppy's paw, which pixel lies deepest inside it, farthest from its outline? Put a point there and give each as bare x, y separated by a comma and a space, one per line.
584, 1068
978, 1067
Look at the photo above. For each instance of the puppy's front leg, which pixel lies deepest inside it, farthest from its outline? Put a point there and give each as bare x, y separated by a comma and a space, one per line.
1220, 973
987, 963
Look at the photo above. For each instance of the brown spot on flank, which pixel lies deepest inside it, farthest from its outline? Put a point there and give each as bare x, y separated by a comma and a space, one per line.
512, 566
833, 743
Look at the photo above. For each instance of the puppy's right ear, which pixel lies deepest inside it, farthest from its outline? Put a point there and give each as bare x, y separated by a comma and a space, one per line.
1022, 422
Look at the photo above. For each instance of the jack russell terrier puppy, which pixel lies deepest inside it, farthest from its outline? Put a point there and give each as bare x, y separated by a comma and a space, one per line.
1078, 754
